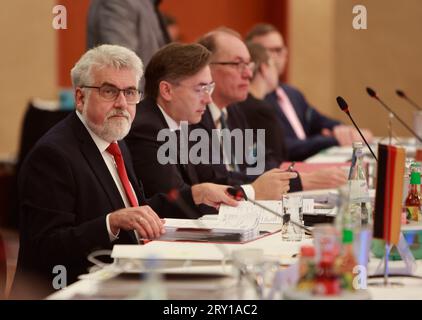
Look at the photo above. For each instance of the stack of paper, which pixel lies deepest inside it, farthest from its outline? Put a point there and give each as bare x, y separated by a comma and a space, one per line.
246, 209
231, 227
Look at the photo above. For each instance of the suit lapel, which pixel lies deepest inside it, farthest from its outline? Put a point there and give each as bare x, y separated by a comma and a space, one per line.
137, 185
97, 164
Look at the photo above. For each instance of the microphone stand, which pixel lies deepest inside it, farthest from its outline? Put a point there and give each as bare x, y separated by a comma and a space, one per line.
390, 128
238, 192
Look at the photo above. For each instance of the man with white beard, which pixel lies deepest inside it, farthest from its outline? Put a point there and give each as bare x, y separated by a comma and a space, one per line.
77, 189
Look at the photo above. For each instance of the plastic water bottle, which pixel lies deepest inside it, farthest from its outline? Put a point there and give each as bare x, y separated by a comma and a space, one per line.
153, 286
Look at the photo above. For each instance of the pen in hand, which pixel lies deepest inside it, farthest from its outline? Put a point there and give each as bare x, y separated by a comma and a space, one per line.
290, 168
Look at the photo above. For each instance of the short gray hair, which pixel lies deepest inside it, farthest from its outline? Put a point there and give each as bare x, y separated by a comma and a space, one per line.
103, 56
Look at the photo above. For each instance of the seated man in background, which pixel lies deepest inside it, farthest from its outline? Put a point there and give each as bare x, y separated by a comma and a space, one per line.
232, 70
77, 189
178, 87
261, 115
306, 130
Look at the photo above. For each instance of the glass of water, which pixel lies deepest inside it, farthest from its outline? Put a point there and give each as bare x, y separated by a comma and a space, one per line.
292, 211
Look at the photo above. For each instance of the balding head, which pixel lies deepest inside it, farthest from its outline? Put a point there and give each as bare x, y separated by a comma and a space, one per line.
230, 66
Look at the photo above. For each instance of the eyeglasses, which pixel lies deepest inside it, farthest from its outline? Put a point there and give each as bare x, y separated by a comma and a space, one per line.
205, 88
201, 90
240, 65
110, 93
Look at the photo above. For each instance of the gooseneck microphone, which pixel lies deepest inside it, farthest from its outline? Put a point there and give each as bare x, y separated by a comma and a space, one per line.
401, 94
345, 108
373, 94
238, 193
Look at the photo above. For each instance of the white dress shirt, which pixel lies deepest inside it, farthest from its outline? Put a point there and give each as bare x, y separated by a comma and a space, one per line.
172, 124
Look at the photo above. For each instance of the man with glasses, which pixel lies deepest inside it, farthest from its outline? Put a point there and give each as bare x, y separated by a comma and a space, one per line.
307, 131
232, 69
78, 190
178, 87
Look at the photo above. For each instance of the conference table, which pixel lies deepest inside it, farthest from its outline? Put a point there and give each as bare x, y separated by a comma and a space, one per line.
221, 280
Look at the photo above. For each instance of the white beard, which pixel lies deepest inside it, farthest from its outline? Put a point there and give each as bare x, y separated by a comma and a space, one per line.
113, 129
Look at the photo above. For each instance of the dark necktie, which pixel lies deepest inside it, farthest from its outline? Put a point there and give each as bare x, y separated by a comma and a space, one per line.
233, 164
114, 150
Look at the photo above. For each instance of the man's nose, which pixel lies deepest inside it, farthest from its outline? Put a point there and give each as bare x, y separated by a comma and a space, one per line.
206, 97
247, 73
121, 100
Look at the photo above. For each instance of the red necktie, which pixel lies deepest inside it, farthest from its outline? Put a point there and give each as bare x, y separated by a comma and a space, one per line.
114, 150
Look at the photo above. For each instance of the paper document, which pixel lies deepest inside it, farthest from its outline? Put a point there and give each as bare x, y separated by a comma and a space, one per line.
245, 209
233, 223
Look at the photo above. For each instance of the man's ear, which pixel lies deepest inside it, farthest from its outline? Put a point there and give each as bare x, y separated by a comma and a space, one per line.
165, 90
79, 99
262, 68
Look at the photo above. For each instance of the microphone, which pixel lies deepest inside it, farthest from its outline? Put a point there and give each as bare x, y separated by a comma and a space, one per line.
345, 108
373, 94
401, 94
239, 193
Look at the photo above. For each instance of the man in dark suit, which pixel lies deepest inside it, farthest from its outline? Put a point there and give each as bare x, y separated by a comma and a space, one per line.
232, 70
307, 131
178, 89
77, 189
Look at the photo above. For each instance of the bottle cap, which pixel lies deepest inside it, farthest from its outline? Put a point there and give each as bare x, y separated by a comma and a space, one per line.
347, 236
415, 165
415, 178
307, 251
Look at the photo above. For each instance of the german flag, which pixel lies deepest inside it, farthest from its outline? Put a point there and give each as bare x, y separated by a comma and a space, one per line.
389, 193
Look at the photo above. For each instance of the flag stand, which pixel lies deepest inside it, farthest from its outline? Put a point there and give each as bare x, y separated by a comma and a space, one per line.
386, 256
388, 210
406, 256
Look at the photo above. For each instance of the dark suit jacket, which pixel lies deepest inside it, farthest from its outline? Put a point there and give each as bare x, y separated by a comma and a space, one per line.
312, 121
220, 172
134, 24
237, 119
260, 115
65, 192
156, 177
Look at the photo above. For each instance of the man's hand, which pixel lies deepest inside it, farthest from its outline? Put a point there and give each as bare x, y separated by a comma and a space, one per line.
366, 133
323, 179
346, 135
141, 219
212, 194
272, 184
